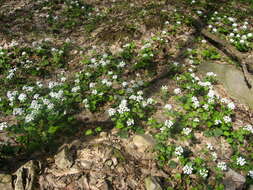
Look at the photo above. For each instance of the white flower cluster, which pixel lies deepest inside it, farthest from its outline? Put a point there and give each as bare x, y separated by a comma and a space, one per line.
123, 107
209, 146
177, 91
164, 88
248, 128
168, 123
179, 150
11, 95
195, 101
168, 107
186, 131
227, 119
203, 173
22, 97
204, 84
222, 166
250, 173
187, 169
53, 84
130, 122
240, 161
17, 111
214, 156
11, 73
57, 95
75, 89
3, 125
211, 74
107, 82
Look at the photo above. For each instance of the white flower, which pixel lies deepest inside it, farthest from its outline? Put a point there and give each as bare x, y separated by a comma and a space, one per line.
227, 119
50, 106
222, 166
124, 84
225, 100
93, 60
123, 107
205, 106
22, 97
17, 111
35, 105
121, 64
75, 89
211, 74
92, 84
39, 84
111, 111
217, 122
179, 150
36, 96
29, 117
214, 30
211, 93
168, 106
150, 101
94, 92
196, 119
57, 95
248, 128
209, 146
168, 123
214, 155
187, 169
175, 63
203, 173
240, 161
250, 173
130, 122
177, 91
249, 35
53, 84
63, 79
114, 77
3, 125
164, 88
234, 25
186, 131
231, 105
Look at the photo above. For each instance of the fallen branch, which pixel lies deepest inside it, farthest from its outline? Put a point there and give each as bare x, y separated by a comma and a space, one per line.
241, 58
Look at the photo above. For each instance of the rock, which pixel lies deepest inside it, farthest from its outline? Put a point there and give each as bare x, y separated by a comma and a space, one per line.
27, 176
233, 180
64, 158
86, 164
5, 181
143, 142
151, 183
233, 81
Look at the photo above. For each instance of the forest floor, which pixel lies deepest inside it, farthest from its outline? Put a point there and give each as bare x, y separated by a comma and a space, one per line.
116, 94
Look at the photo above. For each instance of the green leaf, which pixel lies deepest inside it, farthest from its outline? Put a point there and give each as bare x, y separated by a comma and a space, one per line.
88, 132
119, 125
53, 129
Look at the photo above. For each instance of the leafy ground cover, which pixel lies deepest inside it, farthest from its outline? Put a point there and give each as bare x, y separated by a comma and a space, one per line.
117, 70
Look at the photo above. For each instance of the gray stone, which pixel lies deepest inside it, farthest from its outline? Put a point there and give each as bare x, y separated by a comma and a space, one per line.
64, 158
143, 142
27, 176
233, 180
86, 164
151, 183
232, 79
5, 181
